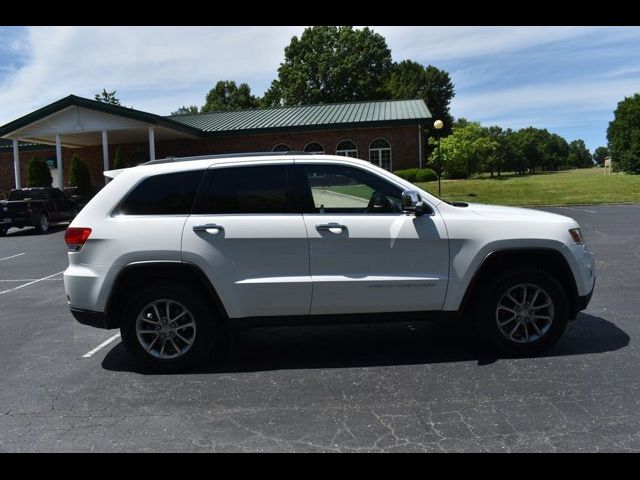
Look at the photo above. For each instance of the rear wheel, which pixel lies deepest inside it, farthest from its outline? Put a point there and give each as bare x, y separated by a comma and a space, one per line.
168, 327
43, 223
522, 312
3, 231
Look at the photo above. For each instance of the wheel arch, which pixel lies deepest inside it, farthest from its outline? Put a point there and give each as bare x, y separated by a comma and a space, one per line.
548, 259
137, 273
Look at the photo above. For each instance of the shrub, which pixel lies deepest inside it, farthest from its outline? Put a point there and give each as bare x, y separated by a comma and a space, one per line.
118, 161
409, 174
38, 173
80, 177
426, 175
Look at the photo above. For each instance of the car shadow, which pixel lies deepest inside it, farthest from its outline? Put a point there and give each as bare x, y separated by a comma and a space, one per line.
348, 346
29, 231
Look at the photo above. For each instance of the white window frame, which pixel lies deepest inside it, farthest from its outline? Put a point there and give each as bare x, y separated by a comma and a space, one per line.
378, 151
346, 152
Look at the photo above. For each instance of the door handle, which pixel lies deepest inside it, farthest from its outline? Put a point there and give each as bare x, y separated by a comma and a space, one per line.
208, 226
330, 227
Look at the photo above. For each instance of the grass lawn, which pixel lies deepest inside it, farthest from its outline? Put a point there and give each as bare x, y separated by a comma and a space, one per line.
572, 187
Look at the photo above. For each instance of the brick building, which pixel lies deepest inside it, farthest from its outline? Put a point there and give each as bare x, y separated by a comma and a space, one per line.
387, 133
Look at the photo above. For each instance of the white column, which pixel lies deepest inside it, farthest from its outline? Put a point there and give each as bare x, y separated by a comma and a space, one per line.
420, 146
152, 144
105, 154
59, 161
16, 162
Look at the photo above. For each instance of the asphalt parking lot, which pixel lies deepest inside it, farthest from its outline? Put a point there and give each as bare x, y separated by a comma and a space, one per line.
422, 387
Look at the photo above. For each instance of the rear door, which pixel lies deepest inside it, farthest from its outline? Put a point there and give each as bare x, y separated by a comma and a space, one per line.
251, 241
366, 255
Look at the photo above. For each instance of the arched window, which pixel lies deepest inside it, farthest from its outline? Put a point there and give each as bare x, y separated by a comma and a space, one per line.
347, 148
314, 147
380, 153
281, 147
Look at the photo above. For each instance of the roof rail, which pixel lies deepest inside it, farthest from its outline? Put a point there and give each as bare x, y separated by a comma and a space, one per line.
227, 155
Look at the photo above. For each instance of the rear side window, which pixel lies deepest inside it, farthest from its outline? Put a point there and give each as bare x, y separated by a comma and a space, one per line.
168, 194
239, 190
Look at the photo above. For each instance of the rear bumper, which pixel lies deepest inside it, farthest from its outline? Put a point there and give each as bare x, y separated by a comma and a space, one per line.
16, 222
91, 318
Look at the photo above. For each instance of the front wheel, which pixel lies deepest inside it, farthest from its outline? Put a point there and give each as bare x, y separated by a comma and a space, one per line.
522, 312
167, 326
3, 231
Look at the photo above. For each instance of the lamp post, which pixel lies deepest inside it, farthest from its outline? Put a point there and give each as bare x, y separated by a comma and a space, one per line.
438, 126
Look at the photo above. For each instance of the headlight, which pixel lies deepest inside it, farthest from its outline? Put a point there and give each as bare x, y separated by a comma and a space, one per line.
577, 236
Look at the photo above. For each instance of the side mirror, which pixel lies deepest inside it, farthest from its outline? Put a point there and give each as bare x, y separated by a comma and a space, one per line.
412, 204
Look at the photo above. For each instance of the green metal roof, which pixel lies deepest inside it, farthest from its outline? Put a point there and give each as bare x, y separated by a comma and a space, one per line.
259, 120
332, 115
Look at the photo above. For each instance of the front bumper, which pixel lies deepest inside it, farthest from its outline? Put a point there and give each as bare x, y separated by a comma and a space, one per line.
583, 300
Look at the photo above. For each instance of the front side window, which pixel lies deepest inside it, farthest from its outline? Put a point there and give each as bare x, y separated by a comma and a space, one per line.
241, 190
341, 189
347, 148
380, 153
167, 194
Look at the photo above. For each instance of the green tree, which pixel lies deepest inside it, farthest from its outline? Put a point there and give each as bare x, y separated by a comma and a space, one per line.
107, 97
38, 173
623, 135
600, 154
465, 151
332, 64
118, 160
226, 95
409, 79
555, 151
184, 110
80, 177
579, 156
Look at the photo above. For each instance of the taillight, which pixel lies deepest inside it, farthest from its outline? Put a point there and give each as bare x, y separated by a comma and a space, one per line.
75, 237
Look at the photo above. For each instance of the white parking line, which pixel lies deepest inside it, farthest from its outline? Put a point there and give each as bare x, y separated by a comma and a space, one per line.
90, 353
32, 279
13, 256
30, 283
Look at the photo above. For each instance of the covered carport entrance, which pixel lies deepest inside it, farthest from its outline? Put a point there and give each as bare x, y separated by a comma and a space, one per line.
76, 122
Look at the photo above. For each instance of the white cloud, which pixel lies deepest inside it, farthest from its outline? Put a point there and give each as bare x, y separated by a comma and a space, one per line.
432, 44
555, 100
497, 70
144, 64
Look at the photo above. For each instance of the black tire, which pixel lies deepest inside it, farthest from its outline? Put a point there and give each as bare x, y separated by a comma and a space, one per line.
486, 319
205, 331
43, 223
3, 231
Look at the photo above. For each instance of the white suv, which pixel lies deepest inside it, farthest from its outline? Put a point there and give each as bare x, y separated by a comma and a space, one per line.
175, 251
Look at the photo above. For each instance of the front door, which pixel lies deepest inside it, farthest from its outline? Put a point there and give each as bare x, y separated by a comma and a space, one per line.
366, 255
251, 241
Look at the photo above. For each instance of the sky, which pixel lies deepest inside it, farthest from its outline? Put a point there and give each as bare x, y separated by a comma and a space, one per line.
565, 79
